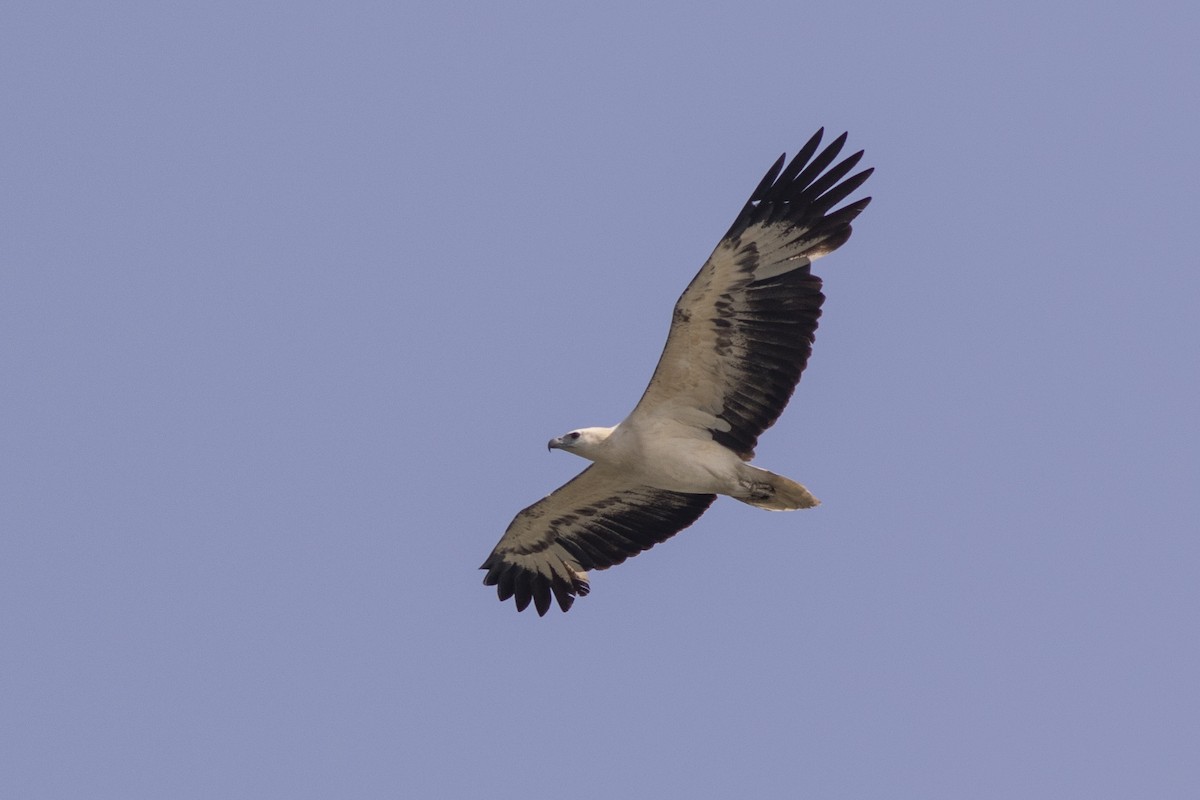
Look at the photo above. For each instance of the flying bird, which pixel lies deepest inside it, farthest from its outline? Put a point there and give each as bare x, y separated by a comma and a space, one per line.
741, 334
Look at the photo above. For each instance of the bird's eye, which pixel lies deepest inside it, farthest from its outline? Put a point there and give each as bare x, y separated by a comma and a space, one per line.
573, 435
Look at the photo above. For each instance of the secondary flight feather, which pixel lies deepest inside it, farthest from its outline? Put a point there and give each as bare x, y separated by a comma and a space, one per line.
741, 334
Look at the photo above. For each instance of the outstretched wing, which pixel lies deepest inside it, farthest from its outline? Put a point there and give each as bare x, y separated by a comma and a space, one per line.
594, 521
742, 331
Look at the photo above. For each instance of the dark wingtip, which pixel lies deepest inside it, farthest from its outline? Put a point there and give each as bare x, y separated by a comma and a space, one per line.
530, 588
541, 595
768, 180
805, 188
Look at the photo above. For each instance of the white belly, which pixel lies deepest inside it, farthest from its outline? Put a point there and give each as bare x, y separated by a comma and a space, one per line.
679, 463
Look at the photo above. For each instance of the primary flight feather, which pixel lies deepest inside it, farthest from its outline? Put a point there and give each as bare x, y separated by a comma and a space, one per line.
741, 334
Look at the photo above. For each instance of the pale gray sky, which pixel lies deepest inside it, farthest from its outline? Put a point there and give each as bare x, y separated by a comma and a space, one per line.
293, 295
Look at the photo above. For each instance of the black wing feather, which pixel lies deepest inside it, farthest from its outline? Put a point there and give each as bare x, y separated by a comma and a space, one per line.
593, 522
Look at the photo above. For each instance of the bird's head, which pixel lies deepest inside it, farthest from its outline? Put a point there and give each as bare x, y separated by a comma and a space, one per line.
582, 442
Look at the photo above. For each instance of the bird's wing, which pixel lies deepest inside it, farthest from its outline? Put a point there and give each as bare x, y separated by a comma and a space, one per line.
742, 331
594, 521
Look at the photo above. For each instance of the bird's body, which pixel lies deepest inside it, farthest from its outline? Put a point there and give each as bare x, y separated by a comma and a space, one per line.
741, 334
664, 453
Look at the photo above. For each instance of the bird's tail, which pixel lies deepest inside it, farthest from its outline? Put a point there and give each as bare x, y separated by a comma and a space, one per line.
775, 492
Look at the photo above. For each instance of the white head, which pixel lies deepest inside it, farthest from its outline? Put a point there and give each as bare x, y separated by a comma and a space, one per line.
582, 442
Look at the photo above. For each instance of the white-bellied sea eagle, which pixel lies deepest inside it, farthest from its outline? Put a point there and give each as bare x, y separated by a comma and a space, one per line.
740, 336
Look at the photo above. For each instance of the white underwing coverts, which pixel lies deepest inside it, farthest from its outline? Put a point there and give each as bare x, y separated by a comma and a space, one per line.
741, 334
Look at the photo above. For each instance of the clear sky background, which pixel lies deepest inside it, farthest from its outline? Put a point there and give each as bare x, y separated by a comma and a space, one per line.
292, 296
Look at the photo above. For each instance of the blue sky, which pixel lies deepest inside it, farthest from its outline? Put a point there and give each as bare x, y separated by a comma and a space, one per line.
293, 295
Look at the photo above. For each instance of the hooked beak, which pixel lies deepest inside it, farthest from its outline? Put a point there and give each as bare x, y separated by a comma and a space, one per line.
554, 444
